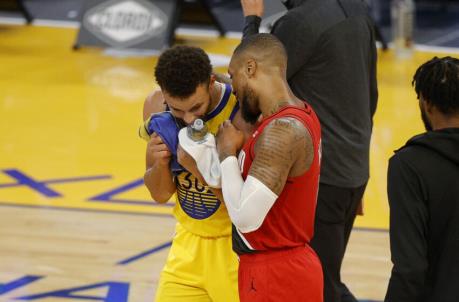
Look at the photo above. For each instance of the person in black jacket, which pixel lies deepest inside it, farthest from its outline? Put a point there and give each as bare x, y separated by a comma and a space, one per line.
332, 65
423, 189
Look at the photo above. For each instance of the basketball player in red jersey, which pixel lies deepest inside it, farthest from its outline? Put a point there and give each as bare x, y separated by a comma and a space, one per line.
272, 204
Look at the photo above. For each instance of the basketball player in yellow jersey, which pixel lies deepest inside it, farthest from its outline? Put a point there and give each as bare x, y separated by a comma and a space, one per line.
201, 266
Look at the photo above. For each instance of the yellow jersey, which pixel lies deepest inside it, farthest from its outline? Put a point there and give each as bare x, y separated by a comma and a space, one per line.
197, 209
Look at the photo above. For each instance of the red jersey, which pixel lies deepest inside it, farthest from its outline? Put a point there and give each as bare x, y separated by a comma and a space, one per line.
290, 221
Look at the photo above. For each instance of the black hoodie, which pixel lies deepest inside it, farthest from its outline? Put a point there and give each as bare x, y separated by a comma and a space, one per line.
289, 4
423, 189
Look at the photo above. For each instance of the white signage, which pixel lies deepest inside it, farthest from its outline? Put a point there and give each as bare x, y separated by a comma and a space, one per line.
122, 23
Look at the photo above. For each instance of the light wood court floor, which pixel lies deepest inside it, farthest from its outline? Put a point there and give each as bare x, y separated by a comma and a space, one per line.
75, 220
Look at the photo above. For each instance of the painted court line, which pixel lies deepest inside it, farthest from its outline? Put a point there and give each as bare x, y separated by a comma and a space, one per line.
145, 254
54, 208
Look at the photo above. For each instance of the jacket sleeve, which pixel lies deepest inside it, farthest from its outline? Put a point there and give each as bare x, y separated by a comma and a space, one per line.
298, 40
373, 72
251, 26
408, 232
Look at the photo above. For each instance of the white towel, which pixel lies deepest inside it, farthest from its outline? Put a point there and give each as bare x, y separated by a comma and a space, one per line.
206, 156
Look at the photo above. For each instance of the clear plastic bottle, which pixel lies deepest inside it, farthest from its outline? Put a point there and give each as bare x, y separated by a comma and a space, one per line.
197, 131
403, 20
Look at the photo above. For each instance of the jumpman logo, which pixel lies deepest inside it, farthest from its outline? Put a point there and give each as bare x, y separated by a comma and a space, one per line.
252, 286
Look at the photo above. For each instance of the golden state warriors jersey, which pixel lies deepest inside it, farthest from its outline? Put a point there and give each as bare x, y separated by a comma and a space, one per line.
197, 209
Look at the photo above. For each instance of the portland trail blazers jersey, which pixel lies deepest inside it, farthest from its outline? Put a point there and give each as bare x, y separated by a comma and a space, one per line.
290, 221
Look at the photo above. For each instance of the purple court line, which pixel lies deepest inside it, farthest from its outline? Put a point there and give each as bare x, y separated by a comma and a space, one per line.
144, 254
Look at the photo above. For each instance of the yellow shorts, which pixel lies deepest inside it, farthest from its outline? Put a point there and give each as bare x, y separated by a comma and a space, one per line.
199, 269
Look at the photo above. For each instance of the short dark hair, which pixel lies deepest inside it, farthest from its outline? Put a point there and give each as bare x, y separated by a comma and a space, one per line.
181, 69
437, 81
266, 45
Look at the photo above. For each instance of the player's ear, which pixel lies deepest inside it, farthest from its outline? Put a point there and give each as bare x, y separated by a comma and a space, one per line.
212, 80
250, 68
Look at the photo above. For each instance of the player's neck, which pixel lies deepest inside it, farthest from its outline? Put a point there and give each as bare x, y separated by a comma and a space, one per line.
215, 95
444, 121
276, 97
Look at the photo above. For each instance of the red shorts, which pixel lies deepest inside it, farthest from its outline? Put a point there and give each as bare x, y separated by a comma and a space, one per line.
293, 275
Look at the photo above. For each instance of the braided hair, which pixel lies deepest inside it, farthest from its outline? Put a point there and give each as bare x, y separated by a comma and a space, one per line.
437, 81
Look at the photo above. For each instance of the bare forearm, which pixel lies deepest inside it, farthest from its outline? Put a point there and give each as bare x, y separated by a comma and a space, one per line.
159, 181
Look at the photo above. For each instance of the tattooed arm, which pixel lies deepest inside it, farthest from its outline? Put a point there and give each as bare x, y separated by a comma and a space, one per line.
283, 150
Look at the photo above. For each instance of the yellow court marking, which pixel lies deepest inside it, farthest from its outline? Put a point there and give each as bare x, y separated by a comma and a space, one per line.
67, 115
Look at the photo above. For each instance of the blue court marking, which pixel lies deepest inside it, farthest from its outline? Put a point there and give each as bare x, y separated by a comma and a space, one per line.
7, 287
41, 186
76, 179
110, 196
117, 292
144, 254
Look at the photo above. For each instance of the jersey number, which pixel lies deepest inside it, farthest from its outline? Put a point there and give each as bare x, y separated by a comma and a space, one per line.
189, 183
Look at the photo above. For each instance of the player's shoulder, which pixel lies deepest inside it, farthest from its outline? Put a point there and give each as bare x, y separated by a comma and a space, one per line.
285, 124
283, 131
153, 103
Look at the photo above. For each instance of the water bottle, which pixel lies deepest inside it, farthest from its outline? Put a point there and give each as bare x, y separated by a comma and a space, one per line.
403, 18
197, 131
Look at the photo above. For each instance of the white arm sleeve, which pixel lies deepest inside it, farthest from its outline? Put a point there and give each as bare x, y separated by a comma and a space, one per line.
247, 202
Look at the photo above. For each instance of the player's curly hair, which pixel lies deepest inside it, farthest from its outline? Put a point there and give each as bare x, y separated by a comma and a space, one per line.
181, 69
438, 82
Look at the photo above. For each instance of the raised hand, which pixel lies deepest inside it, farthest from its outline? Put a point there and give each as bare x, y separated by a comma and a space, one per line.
229, 140
253, 7
157, 152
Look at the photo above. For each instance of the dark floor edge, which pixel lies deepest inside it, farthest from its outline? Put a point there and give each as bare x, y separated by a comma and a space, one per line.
7, 204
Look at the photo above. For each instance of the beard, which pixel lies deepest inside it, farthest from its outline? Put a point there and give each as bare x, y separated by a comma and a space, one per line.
249, 114
426, 121
180, 123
